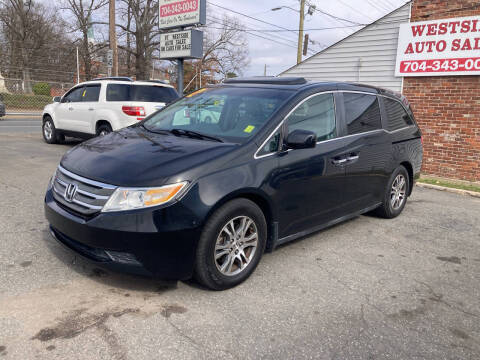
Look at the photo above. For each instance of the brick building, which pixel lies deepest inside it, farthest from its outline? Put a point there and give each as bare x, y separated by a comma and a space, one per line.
447, 108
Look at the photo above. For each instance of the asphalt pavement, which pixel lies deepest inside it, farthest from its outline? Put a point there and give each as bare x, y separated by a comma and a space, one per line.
23, 124
406, 288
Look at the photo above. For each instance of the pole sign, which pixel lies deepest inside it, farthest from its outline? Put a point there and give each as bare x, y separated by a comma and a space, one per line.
109, 58
186, 44
183, 13
439, 47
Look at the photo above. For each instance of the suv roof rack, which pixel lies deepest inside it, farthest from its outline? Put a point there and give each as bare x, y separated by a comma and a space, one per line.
155, 81
271, 80
113, 78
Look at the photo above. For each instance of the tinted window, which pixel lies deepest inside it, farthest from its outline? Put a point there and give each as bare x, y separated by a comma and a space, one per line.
362, 113
232, 114
143, 93
317, 114
75, 95
91, 93
396, 114
271, 145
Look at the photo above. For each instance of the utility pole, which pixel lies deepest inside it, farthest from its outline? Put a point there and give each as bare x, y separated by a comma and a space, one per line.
265, 70
300, 32
113, 37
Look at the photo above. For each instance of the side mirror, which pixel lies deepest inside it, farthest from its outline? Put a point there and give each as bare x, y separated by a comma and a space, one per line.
301, 139
57, 99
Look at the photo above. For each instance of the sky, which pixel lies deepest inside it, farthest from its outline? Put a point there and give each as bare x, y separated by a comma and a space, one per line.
279, 57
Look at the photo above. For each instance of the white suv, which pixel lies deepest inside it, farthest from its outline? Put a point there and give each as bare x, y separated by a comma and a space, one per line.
100, 106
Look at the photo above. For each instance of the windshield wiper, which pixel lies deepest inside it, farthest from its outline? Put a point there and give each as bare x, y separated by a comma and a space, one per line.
194, 134
163, 132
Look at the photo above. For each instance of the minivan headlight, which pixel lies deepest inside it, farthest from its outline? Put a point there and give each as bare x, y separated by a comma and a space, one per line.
138, 198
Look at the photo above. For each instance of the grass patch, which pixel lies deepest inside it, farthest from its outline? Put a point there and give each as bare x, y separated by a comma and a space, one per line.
25, 102
449, 184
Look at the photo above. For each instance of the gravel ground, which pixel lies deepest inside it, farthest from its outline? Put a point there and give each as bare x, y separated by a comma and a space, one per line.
366, 289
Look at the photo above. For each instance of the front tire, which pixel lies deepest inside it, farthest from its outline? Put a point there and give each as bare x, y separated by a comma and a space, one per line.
396, 194
231, 245
50, 133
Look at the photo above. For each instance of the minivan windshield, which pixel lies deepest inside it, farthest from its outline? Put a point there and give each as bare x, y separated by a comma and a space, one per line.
232, 114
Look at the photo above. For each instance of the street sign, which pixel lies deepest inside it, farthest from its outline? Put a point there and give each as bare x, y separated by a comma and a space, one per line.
110, 58
183, 13
186, 44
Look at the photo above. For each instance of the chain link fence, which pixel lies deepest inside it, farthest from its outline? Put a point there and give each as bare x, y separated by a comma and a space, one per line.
29, 97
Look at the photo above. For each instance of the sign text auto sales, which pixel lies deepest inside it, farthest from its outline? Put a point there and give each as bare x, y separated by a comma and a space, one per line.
440, 47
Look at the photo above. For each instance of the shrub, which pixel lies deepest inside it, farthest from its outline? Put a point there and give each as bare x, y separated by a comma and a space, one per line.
41, 88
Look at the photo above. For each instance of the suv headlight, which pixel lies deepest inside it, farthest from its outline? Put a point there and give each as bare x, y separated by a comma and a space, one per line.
138, 198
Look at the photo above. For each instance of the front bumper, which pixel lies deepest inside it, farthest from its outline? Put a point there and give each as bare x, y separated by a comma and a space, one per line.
144, 242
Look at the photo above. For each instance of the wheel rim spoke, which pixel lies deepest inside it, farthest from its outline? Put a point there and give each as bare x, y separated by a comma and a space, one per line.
398, 191
236, 245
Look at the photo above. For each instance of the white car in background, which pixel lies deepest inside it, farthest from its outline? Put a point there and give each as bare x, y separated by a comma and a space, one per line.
99, 106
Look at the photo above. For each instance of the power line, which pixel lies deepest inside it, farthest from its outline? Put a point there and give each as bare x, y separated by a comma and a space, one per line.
251, 32
279, 38
250, 17
356, 10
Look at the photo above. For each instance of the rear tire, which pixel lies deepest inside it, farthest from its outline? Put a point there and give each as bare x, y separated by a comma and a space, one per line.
50, 134
104, 130
396, 194
231, 245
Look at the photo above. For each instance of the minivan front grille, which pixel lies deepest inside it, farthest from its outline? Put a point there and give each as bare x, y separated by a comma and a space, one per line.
78, 194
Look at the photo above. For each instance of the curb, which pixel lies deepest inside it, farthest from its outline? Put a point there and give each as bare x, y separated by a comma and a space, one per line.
448, 189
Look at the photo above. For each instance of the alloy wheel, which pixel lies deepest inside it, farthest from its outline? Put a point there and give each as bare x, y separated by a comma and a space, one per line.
398, 191
48, 130
236, 245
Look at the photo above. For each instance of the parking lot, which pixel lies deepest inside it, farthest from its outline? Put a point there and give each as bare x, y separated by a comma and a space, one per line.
366, 289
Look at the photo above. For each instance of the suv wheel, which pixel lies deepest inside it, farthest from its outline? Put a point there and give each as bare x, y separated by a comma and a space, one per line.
104, 130
50, 133
231, 245
396, 194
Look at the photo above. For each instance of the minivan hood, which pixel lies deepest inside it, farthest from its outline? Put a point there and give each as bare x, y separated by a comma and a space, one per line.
135, 157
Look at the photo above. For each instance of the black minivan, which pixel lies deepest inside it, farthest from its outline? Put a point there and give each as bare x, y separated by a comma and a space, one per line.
208, 184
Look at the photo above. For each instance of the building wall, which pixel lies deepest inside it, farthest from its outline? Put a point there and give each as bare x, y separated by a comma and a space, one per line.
447, 108
368, 56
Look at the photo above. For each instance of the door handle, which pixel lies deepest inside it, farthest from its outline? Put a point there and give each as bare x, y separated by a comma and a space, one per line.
339, 161
91, 109
70, 108
352, 157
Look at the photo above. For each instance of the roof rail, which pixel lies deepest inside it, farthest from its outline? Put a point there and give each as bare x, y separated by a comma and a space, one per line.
155, 81
271, 80
113, 78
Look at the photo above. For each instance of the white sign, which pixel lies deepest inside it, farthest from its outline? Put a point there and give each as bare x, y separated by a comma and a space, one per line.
110, 58
182, 44
439, 47
181, 13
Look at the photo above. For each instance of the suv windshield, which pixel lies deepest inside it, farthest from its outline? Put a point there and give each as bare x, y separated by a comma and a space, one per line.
232, 114
144, 93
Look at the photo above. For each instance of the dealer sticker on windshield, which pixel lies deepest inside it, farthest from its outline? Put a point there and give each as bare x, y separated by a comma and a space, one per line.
249, 129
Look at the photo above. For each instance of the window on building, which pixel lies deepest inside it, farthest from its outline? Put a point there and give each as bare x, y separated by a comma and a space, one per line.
317, 114
362, 113
396, 115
